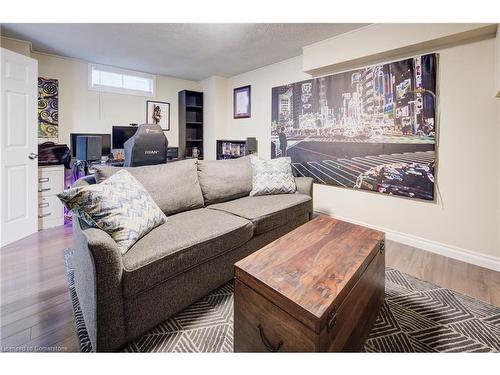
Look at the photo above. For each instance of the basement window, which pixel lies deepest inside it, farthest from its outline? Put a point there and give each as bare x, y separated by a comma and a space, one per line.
120, 81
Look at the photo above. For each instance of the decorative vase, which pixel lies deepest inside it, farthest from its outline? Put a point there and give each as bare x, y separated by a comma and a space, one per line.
195, 152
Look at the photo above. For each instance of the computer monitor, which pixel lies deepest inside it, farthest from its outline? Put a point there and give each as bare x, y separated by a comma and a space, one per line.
106, 142
121, 134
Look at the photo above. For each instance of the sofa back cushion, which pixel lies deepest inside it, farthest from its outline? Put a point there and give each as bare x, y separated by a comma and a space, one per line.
272, 177
173, 186
224, 180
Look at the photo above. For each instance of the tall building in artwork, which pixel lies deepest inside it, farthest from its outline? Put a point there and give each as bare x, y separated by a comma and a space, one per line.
285, 105
388, 94
367, 97
346, 98
307, 105
378, 117
353, 103
417, 103
381, 100
327, 118
404, 87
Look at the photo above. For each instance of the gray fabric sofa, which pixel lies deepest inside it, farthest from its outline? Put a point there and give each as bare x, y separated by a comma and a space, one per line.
212, 223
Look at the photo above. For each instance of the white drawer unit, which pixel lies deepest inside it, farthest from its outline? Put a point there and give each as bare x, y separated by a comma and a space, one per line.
50, 208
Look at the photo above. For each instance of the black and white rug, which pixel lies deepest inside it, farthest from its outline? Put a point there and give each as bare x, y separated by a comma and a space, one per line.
417, 316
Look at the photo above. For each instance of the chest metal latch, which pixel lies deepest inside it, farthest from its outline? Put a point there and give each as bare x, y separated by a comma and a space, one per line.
332, 318
381, 246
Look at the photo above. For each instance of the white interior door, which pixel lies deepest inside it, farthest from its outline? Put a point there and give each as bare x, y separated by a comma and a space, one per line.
18, 146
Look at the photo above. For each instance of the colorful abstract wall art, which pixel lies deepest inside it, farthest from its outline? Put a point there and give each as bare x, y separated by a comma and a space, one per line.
48, 108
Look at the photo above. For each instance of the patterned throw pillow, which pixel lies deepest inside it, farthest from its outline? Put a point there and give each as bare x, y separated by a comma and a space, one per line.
272, 176
120, 206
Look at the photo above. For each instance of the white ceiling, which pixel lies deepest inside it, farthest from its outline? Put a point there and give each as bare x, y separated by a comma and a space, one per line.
189, 51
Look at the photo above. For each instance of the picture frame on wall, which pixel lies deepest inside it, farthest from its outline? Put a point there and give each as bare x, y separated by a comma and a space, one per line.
242, 102
158, 113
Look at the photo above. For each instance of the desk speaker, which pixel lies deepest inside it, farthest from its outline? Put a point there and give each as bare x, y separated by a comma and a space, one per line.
88, 148
251, 145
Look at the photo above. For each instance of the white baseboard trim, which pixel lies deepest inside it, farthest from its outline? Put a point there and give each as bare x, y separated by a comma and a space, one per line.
449, 251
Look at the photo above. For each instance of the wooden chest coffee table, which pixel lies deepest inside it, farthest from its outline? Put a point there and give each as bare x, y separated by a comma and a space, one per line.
319, 288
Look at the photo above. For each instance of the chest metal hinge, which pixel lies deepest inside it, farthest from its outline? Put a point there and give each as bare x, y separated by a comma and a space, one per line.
381, 246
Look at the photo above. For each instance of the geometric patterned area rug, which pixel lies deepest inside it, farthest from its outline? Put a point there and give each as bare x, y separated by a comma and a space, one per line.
417, 316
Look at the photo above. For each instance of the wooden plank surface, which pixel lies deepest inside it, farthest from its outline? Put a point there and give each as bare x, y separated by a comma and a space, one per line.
469, 279
260, 326
359, 310
35, 310
312, 268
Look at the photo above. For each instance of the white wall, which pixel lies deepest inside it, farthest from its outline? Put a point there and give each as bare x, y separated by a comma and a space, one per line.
262, 81
84, 111
216, 107
465, 217
497, 63
19, 46
383, 41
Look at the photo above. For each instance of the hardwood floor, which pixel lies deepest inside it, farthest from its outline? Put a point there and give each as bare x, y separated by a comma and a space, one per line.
36, 310
480, 283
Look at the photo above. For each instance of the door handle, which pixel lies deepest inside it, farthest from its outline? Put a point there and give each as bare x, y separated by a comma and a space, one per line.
32, 156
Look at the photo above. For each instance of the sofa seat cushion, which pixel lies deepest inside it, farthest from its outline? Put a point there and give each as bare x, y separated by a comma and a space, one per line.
188, 239
267, 212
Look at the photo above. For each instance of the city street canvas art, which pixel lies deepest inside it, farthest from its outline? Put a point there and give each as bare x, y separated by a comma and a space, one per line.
372, 128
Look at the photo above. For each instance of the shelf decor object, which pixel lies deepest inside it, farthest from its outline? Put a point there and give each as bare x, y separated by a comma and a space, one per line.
158, 113
230, 149
242, 102
190, 124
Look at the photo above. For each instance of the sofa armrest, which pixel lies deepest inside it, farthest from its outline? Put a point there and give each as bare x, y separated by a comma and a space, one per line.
98, 280
304, 185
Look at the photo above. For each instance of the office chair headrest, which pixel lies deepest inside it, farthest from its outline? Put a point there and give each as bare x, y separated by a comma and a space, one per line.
147, 146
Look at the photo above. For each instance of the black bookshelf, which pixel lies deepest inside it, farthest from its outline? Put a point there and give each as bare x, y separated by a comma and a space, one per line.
230, 149
190, 123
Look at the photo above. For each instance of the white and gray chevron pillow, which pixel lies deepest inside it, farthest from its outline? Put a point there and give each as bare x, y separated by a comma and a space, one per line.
272, 176
119, 205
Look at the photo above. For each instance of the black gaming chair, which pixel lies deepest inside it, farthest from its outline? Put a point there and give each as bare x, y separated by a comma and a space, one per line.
147, 146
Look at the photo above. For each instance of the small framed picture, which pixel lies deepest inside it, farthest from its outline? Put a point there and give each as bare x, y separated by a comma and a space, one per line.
158, 113
242, 102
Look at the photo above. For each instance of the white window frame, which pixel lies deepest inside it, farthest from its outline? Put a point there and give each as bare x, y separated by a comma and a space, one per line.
120, 90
